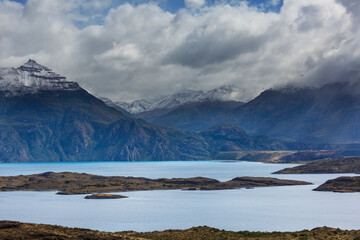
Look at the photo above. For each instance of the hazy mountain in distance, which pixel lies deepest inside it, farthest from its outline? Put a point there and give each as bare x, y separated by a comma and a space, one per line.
45, 117
224, 93
188, 109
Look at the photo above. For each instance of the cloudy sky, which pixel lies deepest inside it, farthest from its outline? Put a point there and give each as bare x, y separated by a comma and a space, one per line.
131, 49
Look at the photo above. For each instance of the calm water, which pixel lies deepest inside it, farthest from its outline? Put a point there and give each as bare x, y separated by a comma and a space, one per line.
261, 209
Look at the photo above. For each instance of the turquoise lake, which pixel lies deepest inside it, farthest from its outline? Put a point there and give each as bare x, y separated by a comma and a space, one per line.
287, 208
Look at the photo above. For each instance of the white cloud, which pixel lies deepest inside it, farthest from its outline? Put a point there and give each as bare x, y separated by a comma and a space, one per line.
194, 3
275, 3
145, 51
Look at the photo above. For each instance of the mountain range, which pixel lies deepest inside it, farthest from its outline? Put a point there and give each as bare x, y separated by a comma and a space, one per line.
45, 117
187, 109
329, 113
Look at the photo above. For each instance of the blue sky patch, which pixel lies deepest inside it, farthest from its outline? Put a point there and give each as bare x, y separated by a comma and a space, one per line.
175, 5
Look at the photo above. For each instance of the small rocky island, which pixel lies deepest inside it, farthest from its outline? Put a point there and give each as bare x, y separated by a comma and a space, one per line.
345, 165
341, 184
82, 183
104, 196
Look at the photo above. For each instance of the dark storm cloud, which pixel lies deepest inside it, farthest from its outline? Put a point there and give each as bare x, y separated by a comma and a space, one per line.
344, 68
309, 18
201, 49
352, 6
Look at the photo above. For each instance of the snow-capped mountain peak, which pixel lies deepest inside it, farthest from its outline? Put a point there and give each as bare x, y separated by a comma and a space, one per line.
32, 77
224, 93
33, 66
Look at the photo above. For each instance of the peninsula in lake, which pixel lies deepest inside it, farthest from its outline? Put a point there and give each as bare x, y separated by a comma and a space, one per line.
345, 165
82, 183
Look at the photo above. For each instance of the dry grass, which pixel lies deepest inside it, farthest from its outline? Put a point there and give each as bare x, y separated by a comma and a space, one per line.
18, 231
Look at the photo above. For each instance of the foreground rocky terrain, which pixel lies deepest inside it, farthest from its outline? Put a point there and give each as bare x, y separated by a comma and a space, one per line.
81, 183
17, 231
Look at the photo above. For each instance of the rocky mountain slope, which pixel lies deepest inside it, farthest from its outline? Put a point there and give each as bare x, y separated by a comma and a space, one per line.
44, 117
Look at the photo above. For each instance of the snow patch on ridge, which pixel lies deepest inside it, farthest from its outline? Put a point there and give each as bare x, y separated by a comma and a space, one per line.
224, 93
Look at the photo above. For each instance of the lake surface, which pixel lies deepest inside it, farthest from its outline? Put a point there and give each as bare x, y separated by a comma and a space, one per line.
287, 208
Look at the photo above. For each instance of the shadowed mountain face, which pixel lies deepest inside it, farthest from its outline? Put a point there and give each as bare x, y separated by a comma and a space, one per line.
330, 113
42, 121
51, 125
